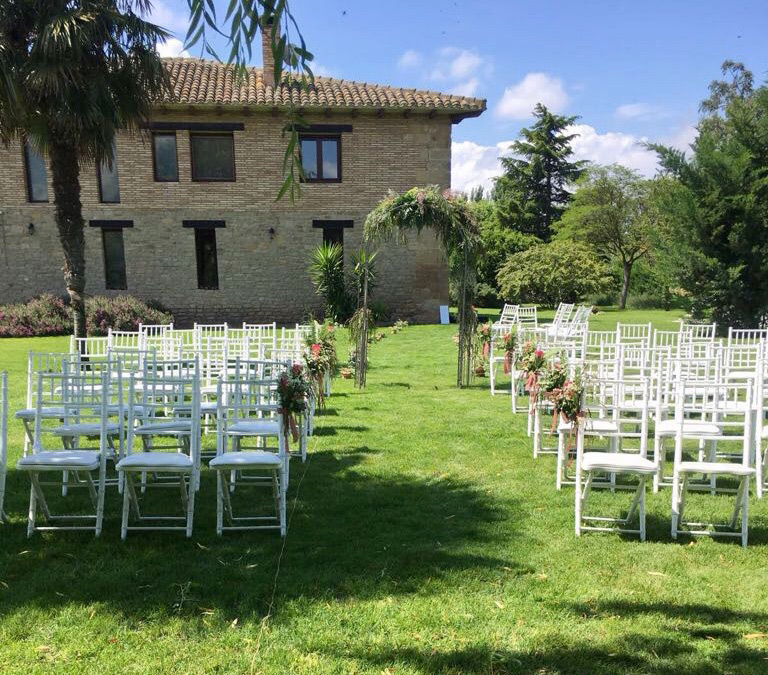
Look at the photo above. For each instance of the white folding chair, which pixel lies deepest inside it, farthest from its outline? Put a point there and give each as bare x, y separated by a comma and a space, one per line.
84, 397
624, 397
175, 457
732, 404
247, 409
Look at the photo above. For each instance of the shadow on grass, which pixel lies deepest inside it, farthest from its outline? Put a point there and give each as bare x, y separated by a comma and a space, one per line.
632, 653
352, 534
336, 428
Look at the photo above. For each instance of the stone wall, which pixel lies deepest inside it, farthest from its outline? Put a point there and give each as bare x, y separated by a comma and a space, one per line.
261, 276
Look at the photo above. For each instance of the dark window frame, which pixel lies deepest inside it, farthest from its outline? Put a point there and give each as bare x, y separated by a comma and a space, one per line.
99, 179
195, 179
201, 232
25, 149
104, 230
319, 138
154, 156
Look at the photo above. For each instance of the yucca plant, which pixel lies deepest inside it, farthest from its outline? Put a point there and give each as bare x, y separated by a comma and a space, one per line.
326, 271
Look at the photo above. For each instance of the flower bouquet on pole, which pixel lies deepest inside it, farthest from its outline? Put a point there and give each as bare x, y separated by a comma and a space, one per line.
293, 388
551, 382
532, 362
568, 402
508, 346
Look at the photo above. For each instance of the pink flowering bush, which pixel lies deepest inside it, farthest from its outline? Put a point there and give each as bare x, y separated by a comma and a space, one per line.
49, 315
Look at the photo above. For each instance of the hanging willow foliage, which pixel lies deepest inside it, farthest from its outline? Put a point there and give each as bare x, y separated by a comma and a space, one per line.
450, 218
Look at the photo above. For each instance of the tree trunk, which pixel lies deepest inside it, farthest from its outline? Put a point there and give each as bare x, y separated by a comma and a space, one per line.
625, 286
65, 171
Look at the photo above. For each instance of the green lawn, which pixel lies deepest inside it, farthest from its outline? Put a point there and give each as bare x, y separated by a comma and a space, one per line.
425, 539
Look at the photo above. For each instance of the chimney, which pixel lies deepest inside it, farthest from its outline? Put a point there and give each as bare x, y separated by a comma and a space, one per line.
268, 60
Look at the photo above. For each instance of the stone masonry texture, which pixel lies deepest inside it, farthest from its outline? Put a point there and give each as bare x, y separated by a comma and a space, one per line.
261, 276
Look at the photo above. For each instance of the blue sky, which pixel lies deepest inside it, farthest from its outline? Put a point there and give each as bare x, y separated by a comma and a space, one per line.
630, 70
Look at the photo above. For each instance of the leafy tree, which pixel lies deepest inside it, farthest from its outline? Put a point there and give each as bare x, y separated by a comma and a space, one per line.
609, 213
533, 191
721, 209
74, 71
498, 242
548, 274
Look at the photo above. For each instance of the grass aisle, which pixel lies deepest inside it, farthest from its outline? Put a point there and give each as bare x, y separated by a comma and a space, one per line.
425, 540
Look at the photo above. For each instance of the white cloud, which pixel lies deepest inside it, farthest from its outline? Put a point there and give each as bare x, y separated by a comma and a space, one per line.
612, 147
456, 64
171, 47
174, 20
640, 111
473, 164
460, 71
519, 100
682, 138
410, 58
467, 88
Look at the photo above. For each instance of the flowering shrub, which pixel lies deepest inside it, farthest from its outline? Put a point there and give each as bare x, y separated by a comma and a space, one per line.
123, 312
50, 315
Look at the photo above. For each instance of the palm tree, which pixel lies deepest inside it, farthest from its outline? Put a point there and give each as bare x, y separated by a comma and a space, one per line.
73, 72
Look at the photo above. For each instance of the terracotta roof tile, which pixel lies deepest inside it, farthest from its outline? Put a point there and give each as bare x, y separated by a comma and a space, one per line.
197, 81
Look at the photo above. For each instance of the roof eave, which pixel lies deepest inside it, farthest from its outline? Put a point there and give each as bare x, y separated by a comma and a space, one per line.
456, 115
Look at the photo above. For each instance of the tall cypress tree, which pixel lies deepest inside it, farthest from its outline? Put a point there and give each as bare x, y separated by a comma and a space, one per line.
533, 191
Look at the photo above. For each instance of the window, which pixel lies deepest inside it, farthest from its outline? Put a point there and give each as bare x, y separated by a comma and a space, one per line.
37, 180
321, 158
333, 230
333, 235
207, 262
166, 165
213, 157
109, 181
114, 258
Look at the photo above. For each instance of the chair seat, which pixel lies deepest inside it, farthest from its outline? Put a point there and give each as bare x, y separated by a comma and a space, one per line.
741, 374
60, 460
84, 429
156, 461
715, 467
116, 408
764, 434
29, 413
205, 407
595, 426
266, 427
619, 462
690, 427
242, 460
159, 428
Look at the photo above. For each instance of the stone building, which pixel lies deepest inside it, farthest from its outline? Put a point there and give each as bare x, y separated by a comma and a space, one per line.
187, 214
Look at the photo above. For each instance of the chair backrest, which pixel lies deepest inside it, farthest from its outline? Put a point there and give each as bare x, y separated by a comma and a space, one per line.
697, 332
89, 347
746, 336
508, 314
262, 339
124, 339
245, 398
170, 397
83, 396
730, 402
634, 333
155, 329
665, 338
527, 317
